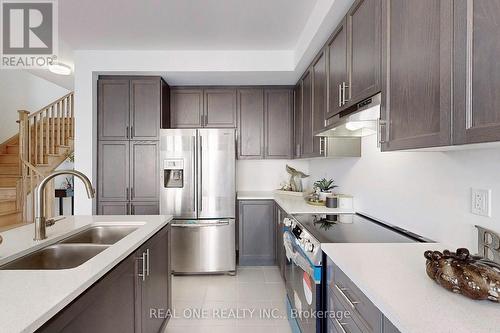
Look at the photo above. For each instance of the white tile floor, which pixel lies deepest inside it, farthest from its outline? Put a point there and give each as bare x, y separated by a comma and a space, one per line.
212, 303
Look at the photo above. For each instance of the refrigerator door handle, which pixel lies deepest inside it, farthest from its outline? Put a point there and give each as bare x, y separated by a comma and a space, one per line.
200, 174
193, 140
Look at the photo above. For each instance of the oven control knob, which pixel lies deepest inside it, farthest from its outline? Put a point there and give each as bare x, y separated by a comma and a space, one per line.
287, 222
308, 246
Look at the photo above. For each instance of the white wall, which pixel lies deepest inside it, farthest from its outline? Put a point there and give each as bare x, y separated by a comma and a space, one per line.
20, 90
266, 175
425, 192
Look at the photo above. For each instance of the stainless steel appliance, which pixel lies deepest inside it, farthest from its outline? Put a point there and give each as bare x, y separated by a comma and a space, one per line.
305, 269
198, 189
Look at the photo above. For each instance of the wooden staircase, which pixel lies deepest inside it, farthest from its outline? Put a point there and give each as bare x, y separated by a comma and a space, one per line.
44, 141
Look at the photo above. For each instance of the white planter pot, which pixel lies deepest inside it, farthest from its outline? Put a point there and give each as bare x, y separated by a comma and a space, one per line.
323, 195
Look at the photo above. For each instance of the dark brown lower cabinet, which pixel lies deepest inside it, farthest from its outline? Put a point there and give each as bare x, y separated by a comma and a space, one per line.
256, 232
135, 296
341, 296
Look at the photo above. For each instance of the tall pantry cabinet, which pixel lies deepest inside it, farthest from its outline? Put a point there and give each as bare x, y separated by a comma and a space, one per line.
130, 113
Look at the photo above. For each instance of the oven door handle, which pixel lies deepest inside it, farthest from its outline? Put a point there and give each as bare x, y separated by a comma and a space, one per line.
299, 258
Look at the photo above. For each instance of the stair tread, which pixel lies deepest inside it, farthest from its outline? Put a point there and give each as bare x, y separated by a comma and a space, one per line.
9, 212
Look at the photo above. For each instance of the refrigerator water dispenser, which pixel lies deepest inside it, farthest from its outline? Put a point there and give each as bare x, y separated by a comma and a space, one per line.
173, 173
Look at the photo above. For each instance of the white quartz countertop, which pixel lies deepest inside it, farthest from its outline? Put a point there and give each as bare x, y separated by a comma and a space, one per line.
31, 297
291, 204
393, 277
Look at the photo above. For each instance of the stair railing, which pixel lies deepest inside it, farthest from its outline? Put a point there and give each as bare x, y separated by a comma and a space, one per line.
41, 134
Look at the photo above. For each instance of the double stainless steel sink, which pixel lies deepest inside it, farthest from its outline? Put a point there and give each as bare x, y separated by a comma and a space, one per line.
72, 251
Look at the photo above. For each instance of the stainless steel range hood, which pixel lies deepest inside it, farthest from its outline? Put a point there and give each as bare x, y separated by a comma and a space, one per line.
362, 121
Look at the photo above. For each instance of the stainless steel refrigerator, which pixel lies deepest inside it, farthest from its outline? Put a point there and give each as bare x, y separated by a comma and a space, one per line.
199, 190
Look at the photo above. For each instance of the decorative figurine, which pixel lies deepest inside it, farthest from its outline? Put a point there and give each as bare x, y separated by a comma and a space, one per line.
471, 276
295, 178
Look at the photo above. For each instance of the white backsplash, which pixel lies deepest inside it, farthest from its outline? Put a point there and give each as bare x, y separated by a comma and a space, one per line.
266, 175
425, 192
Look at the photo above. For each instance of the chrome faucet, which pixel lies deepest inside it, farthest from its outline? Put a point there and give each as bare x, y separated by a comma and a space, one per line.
40, 218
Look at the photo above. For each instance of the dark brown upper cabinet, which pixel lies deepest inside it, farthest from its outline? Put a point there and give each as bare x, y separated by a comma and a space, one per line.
130, 108
250, 123
186, 108
307, 125
265, 123
145, 105
319, 91
113, 109
364, 21
311, 146
278, 124
476, 71
416, 103
203, 107
337, 69
297, 120
220, 108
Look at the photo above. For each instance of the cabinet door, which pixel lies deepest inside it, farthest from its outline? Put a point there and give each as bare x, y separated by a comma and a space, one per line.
256, 232
297, 120
417, 104
113, 109
113, 208
364, 25
220, 108
250, 123
113, 171
155, 286
278, 124
145, 208
145, 111
186, 108
319, 92
107, 306
337, 69
144, 173
307, 126
477, 71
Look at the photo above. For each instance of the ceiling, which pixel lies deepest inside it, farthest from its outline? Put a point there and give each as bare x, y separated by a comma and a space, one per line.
196, 25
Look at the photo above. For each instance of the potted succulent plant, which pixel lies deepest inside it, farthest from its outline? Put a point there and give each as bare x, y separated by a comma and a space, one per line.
325, 187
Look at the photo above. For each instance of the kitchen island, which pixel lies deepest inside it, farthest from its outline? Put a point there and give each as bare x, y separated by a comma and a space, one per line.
30, 298
393, 278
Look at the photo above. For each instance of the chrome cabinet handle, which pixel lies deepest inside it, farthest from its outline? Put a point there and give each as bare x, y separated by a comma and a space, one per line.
381, 136
147, 262
132, 132
132, 193
201, 120
143, 259
340, 95
194, 172
297, 150
351, 303
127, 133
127, 193
340, 325
344, 87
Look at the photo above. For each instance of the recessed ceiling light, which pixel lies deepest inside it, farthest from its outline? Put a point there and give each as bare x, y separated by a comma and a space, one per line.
59, 68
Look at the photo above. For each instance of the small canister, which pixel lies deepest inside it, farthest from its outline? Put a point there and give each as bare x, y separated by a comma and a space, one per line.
332, 202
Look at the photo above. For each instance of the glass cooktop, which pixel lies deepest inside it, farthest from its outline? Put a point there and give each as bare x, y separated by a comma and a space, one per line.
353, 228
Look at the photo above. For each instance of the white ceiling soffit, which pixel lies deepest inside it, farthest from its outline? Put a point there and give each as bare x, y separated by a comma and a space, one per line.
280, 37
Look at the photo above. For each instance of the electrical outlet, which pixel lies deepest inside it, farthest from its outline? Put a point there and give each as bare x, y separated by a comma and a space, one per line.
481, 202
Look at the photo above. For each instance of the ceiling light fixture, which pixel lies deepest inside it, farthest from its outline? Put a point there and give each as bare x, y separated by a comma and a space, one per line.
60, 69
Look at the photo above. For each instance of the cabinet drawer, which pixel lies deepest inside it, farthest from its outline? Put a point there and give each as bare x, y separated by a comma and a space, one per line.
356, 302
340, 324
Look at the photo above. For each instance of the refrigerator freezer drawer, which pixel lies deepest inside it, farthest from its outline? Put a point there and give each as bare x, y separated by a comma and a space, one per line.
204, 246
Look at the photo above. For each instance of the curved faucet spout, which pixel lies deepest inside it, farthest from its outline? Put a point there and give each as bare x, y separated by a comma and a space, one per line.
40, 218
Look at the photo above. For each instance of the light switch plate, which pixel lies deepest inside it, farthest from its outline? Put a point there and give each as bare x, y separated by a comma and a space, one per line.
481, 202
